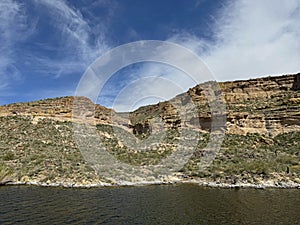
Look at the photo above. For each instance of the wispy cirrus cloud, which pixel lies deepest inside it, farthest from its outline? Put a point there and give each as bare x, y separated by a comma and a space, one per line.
13, 29
61, 37
80, 43
46, 40
173, 71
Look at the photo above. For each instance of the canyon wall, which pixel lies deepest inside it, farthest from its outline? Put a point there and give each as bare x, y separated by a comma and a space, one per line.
268, 106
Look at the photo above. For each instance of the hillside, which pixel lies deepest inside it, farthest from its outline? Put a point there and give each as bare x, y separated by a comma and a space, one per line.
261, 120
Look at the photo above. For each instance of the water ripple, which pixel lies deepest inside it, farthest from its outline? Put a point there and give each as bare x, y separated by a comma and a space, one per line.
174, 204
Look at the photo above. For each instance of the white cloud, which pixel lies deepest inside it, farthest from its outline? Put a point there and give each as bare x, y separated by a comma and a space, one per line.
252, 39
256, 38
152, 82
161, 81
80, 40
75, 31
145, 91
12, 30
146, 78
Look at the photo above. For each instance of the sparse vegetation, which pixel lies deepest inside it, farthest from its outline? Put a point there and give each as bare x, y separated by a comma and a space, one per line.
37, 142
253, 155
5, 171
41, 151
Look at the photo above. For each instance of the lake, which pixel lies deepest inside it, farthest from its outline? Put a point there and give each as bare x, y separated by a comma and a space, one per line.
156, 204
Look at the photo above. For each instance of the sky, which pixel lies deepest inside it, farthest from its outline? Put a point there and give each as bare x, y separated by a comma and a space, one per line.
47, 45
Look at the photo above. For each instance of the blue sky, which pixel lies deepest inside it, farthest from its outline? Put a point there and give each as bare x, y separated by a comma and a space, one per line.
46, 45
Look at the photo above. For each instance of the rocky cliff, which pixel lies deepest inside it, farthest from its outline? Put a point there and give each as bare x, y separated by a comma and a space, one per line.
260, 117
268, 106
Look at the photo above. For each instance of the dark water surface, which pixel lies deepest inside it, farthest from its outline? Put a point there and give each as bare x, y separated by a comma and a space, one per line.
178, 204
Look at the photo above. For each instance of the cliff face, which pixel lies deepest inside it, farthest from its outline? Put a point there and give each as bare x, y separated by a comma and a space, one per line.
261, 120
268, 106
58, 109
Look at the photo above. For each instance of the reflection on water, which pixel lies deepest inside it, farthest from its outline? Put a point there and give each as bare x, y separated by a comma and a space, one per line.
175, 204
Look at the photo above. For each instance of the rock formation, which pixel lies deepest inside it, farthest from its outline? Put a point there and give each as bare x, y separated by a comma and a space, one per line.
267, 106
261, 118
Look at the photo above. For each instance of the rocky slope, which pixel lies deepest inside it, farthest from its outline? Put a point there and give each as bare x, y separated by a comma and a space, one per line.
261, 118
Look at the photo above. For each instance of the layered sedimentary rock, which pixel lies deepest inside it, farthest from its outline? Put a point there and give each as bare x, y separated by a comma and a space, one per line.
265, 105
261, 119
62, 108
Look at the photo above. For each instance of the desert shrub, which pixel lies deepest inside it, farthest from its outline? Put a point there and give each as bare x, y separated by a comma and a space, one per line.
9, 156
5, 171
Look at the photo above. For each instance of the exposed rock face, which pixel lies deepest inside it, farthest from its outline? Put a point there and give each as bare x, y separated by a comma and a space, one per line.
60, 109
262, 122
265, 105
296, 84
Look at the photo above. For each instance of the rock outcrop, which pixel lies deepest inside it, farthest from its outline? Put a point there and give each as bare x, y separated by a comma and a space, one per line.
261, 119
59, 108
267, 106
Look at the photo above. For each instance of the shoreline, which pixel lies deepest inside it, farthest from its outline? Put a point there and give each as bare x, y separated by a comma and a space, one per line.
202, 183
